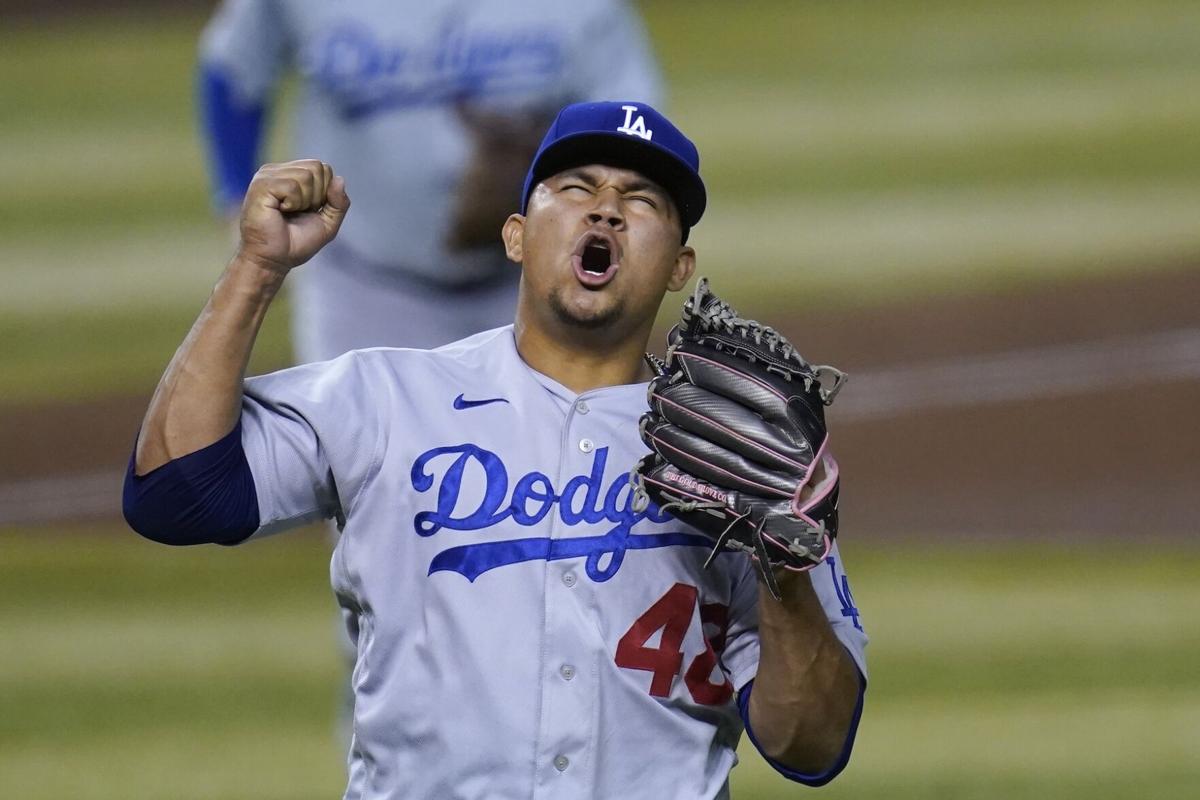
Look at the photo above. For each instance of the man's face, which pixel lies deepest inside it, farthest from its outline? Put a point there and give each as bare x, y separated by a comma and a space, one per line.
599, 246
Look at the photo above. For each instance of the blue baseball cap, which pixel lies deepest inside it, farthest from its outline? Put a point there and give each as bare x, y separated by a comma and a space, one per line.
623, 134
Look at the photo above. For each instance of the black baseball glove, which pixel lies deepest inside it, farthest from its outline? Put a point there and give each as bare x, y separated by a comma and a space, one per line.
737, 426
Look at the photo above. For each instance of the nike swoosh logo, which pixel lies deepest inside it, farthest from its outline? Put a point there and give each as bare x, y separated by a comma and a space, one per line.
460, 404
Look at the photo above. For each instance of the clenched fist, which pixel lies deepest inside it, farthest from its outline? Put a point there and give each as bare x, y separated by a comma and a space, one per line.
291, 211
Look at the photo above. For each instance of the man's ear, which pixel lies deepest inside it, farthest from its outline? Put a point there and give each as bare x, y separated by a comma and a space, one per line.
513, 234
685, 265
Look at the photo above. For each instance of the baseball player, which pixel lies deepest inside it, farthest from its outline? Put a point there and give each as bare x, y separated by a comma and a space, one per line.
431, 110
524, 626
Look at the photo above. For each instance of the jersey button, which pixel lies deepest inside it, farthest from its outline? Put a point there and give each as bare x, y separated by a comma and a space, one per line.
582, 407
569, 579
567, 671
587, 445
561, 763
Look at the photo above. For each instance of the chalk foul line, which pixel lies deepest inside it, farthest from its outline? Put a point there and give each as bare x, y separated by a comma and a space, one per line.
1042, 372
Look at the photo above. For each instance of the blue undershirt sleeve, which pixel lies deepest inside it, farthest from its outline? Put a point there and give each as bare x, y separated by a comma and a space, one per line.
205, 497
839, 764
232, 131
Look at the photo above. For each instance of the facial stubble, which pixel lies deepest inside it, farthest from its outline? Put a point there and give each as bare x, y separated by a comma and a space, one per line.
594, 321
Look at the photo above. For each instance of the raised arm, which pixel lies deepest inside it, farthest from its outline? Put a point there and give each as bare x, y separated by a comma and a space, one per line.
290, 212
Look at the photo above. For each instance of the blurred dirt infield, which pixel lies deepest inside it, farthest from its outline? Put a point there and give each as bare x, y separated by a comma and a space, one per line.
1116, 453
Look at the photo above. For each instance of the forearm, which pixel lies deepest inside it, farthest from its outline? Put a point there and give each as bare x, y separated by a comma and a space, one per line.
807, 686
198, 399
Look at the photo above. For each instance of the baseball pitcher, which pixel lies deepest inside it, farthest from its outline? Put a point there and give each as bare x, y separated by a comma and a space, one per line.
571, 570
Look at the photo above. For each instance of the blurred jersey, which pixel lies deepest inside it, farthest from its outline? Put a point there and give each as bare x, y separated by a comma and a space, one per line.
380, 81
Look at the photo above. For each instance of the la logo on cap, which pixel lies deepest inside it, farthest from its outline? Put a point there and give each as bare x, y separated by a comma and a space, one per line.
635, 127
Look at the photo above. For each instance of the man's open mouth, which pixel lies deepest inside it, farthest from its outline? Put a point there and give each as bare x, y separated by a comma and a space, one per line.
596, 259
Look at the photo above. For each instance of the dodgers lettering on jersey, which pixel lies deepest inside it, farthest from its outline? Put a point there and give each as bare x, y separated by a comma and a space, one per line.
533, 496
369, 74
518, 623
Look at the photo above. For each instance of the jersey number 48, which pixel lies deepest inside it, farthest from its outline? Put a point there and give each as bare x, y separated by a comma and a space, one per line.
672, 614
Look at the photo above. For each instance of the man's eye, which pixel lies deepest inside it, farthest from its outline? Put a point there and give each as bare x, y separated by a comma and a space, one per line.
644, 199
578, 186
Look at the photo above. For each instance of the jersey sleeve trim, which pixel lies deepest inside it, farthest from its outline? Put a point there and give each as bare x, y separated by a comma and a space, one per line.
839, 764
205, 497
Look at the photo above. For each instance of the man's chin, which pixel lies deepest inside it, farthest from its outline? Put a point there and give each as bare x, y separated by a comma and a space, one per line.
590, 319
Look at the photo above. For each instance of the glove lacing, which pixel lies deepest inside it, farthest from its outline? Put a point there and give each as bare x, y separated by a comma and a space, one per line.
714, 315
719, 315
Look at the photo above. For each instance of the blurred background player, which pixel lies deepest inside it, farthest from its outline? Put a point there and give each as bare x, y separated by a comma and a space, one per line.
432, 111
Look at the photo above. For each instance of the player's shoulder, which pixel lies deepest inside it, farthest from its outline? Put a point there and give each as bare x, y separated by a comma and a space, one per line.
483, 343
376, 368
487, 348
580, 16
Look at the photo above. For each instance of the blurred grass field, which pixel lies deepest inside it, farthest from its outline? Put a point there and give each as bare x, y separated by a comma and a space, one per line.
856, 153
135, 670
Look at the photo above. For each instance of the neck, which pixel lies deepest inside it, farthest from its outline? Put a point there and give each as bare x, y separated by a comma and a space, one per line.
586, 360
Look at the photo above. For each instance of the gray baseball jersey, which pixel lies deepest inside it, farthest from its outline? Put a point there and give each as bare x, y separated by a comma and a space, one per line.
521, 630
379, 84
